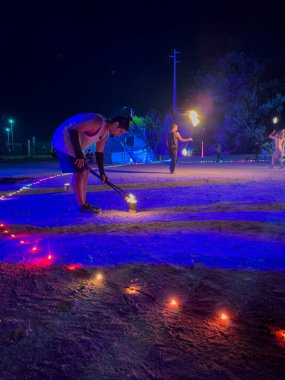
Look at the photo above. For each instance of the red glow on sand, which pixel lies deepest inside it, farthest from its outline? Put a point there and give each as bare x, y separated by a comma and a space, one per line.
73, 267
280, 335
49, 257
13, 236
2, 225
6, 231
22, 242
173, 303
34, 249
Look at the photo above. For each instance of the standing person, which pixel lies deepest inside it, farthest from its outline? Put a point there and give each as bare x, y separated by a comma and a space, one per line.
77, 134
279, 141
218, 151
173, 137
89, 156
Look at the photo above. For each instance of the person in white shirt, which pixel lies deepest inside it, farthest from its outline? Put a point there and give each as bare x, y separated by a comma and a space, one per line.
279, 141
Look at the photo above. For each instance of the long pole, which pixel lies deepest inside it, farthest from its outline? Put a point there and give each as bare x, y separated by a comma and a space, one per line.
12, 135
174, 105
8, 132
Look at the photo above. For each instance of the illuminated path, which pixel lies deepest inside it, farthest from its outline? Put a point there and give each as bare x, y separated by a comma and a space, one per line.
227, 216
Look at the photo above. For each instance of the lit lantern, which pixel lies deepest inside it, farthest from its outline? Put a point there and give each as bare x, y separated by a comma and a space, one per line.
184, 152
67, 187
99, 276
35, 249
132, 201
49, 257
13, 236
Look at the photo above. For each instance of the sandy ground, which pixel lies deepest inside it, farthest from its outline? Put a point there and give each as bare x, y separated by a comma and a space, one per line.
212, 236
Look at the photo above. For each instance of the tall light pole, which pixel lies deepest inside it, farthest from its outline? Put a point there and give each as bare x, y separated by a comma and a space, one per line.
174, 106
11, 121
8, 134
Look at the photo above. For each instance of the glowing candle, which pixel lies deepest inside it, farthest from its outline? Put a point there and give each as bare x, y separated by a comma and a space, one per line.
132, 201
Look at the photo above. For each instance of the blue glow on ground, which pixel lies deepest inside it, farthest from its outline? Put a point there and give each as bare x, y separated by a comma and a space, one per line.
241, 242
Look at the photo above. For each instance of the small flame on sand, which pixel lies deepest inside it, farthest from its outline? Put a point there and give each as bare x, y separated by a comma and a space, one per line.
131, 198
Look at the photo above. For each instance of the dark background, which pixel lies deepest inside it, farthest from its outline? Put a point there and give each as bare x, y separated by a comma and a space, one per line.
59, 59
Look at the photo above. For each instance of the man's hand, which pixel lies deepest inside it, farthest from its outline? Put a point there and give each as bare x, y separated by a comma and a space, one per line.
80, 163
104, 178
190, 139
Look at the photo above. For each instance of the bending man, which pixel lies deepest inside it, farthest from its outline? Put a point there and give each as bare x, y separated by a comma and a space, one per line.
78, 133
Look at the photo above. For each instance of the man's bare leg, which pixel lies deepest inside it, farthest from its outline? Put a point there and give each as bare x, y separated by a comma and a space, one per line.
85, 182
78, 187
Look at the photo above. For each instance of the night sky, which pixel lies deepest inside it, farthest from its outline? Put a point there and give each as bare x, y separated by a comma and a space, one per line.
63, 59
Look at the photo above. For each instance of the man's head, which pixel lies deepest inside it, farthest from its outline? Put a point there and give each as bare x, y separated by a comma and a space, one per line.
119, 125
174, 127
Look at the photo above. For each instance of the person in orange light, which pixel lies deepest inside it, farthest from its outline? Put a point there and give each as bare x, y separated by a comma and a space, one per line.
173, 137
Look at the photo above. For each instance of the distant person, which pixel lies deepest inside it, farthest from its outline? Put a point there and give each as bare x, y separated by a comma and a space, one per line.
78, 133
173, 137
279, 141
89, 156
218, 151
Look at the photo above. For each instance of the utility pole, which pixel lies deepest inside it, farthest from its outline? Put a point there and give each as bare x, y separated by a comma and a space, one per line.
175, 52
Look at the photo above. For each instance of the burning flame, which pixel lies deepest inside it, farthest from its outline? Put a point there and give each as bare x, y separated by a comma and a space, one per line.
131, 198
184, 152
194, 117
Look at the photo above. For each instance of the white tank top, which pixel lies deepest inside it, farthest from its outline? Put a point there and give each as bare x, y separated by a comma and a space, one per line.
61, 139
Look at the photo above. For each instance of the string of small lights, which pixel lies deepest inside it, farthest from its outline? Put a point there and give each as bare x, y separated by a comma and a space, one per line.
173, 304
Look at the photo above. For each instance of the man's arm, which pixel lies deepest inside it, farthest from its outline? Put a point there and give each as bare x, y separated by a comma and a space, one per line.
183, 140
271, 136
100, 145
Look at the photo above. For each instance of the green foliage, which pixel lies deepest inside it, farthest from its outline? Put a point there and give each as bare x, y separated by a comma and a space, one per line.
235, 83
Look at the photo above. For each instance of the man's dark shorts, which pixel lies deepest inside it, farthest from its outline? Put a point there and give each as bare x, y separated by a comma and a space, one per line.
67, 163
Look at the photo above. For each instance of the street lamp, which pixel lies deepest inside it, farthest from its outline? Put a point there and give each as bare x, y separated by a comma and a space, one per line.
8, 134
275, 120
11, 121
